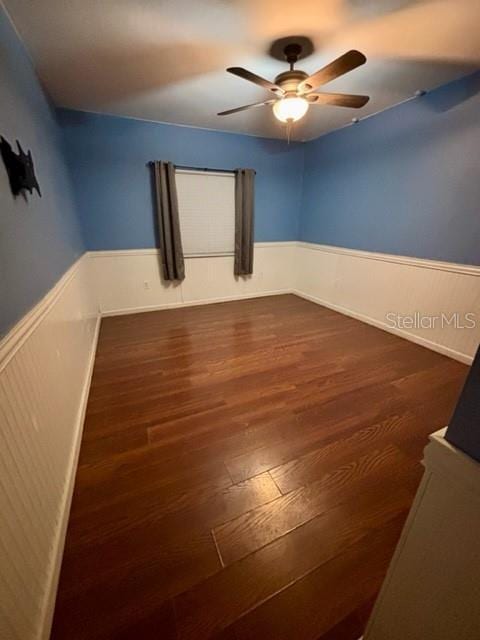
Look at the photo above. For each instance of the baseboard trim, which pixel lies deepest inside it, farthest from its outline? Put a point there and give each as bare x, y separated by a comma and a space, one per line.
193, 303
434, 346
64, 512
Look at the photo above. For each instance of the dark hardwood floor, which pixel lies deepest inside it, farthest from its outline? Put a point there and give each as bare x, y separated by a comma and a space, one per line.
245, 472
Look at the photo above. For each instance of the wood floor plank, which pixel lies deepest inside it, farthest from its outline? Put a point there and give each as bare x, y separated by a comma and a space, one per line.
312, 465
120, 614
217, 602
138, 560
212, 423
321, 424
248, 532
166, 482
179, 515
433, 377
197, 419
353, 625
299, 611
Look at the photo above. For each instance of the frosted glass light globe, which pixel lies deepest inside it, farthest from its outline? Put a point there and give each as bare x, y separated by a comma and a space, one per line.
291, 109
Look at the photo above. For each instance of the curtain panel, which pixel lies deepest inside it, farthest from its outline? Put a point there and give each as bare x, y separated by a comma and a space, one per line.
244, 220
168, 222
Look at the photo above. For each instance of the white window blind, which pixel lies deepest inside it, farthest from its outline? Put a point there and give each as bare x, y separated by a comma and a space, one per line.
206, 205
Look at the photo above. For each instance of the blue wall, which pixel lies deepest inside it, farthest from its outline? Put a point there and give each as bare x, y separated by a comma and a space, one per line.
40, 239
107, 156
406, 181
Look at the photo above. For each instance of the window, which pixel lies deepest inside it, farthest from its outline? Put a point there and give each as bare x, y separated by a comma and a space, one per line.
206, 205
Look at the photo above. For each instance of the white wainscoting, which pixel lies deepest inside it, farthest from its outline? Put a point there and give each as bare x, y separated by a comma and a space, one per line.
45, 368
130, 281
368, 286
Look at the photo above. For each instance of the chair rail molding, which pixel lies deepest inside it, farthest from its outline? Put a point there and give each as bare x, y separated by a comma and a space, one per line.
425, 263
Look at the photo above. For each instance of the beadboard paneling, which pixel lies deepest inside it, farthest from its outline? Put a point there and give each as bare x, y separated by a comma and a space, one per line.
130, 281
368, 286
45, 366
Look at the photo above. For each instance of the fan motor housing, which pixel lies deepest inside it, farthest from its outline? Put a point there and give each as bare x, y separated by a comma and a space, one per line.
289, 80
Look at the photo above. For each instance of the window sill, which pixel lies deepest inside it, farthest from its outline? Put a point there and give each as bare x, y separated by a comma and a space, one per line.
209, 255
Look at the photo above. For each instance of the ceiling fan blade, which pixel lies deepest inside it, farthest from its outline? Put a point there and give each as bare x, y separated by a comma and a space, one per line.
348, 62
338, 99
247, 106
252, 77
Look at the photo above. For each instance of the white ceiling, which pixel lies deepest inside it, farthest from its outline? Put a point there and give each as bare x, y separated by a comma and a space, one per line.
165, 60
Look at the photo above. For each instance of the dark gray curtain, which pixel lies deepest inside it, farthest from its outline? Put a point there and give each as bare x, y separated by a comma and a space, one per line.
170, 241
244, 218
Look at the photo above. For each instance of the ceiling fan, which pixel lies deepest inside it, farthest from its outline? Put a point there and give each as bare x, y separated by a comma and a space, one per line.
294, 90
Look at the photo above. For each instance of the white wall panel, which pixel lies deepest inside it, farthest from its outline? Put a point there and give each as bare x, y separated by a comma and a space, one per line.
129, 281
45, 365
368, 286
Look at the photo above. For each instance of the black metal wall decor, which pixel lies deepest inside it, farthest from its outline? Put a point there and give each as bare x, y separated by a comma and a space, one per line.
20, 169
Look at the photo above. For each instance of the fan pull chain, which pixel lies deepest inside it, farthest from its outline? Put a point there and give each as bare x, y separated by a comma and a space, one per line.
289, 130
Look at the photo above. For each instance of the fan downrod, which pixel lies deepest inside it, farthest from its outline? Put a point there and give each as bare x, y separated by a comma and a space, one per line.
292, 53
291, 48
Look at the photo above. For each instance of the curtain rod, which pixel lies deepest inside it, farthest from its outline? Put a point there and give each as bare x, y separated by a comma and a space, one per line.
190, 168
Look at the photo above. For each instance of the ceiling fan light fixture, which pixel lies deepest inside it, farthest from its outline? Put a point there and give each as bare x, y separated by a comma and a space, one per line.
293, 88
290, 109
